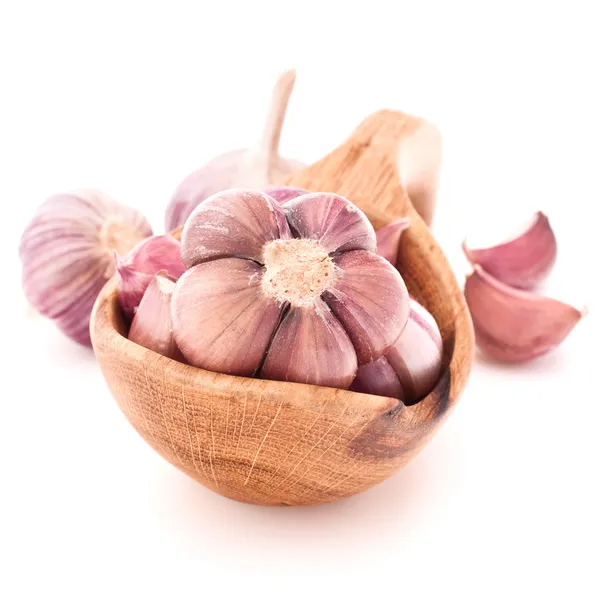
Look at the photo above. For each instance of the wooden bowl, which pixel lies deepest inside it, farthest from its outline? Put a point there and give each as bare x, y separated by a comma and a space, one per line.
279, 443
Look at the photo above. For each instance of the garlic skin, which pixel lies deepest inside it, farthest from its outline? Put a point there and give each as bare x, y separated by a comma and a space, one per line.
388, 239
67, 255
253, 168
514, 325
283, 194
524, 261
411, 368
136, 269
292, 293
151, 326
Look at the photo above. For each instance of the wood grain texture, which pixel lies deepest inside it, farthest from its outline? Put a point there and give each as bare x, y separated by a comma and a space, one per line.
278, 443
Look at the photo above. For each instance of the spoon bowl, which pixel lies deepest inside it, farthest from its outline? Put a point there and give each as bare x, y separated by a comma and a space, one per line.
280, 443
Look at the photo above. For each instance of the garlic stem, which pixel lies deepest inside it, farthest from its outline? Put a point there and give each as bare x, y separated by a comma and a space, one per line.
268, 145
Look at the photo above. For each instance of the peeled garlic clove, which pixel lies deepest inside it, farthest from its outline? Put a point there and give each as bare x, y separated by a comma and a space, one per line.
232, 223
378, 378
524, 261
151, 326
283, 194
388, 239
311, 346
374, 309
514, 325
331, 220
137, 268
222, 320
253, 168
67, 255
412, 366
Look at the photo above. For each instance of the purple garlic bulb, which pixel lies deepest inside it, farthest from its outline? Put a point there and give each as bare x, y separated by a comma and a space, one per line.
252, 168
292, 292
67, 255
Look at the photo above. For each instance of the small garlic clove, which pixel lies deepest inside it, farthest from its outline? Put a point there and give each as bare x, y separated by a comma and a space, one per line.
137, 268
222, 321
151, 326
374, 309
412, 366
514, 325
310, 346
284, 194
417, 355
331, 220
524, 261
234, 223
378, 378
388, 239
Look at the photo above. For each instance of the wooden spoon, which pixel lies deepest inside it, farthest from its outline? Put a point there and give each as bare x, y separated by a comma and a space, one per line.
279, 443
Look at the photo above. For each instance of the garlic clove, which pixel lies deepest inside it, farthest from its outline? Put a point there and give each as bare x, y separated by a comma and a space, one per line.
524, 261
412, 366
137, 268
388, 239
151, 326
310, 346
514, 325
234, 223
284, 194
417, 355
378, 378
373, 309
331, 220
222, 320
67, 255
254, 168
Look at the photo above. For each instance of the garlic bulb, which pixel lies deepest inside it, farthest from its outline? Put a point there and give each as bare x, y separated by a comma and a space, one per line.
67, 255
137, 269
514, 325
151, 325
524, 261
254, 168
411, 368
293, 292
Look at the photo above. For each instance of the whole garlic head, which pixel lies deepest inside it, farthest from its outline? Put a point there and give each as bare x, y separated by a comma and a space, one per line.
291, 292
67, 252
252, 168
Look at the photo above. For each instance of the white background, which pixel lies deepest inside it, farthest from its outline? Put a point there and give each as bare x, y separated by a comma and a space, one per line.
129, 97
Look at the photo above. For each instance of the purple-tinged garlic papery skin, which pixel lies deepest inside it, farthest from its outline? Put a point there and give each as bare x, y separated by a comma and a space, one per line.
388, 239
283, 194
524, 261
513, 325
252, 168
138, 267
285, 292
67, 255
411, 368
151, 326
